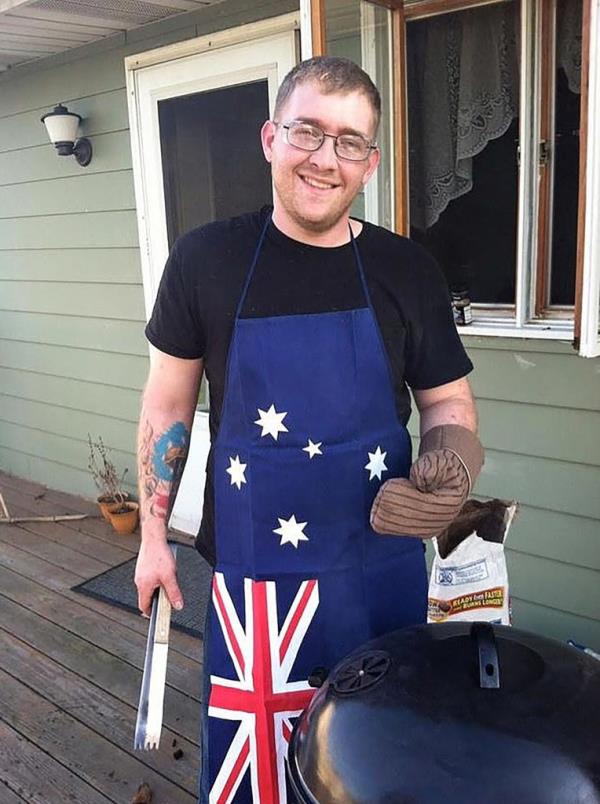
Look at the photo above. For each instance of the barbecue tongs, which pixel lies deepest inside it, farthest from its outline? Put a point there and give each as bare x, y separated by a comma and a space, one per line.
152, 694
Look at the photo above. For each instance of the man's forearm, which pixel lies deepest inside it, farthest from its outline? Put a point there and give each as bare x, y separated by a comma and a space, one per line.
450, 411
163, 444
452, 403
166, 420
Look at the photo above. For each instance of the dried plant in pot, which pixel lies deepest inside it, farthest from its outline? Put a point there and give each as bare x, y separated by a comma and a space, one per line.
108, 482
124, 516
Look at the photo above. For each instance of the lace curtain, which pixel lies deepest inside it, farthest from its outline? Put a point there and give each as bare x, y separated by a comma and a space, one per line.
568, 41
463, 92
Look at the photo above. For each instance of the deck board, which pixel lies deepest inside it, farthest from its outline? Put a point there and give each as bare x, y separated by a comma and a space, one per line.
111, 671
44, 504
60, 580
92, 531
88, 545
35, 776
116, 639
6, 794
56, 554
70, 667
94, 707
92, 756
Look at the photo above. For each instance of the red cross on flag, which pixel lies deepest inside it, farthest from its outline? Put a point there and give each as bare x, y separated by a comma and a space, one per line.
260, 697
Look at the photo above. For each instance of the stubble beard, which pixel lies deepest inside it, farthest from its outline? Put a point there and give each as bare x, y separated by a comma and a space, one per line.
320, 225
315, 225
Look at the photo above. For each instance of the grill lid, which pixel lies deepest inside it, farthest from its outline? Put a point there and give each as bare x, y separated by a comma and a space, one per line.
453, 712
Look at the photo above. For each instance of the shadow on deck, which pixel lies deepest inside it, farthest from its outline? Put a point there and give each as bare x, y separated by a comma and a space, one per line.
71, 667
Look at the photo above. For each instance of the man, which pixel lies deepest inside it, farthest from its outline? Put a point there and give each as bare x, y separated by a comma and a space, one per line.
309, 325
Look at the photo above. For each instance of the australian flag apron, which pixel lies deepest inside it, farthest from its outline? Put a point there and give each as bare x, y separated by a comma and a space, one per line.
308, 433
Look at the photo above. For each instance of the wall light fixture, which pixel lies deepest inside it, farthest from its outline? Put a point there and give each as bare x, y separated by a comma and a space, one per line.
62, 125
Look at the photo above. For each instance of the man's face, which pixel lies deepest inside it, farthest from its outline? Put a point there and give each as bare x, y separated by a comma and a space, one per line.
313, 190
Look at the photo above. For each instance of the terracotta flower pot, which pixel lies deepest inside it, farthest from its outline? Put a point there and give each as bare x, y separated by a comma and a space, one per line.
105, 502
124, 517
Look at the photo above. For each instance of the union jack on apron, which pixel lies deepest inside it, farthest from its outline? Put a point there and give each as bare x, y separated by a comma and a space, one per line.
308, 433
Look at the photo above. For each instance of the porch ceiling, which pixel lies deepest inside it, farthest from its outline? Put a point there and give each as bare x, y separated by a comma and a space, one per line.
33, 29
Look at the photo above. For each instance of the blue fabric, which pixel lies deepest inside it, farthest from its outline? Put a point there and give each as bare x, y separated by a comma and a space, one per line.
328, 373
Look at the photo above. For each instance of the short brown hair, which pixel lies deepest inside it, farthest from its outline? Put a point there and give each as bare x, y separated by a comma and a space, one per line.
332, 74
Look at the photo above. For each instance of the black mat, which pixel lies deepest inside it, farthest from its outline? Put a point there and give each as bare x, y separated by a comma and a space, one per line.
116, 586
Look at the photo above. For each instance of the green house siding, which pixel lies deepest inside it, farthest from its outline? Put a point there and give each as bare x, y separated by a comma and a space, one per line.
539, 406
73, 357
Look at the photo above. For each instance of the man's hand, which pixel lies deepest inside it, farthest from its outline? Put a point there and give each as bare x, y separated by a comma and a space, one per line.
441, 478
156, 567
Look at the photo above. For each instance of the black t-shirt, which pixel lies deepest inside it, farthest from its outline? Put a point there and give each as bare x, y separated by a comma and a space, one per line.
203, 279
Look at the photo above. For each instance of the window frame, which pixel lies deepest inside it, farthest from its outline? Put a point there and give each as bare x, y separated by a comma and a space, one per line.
546, 184
587, 288
530, 316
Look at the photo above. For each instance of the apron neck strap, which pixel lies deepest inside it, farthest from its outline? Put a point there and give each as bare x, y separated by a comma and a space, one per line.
359, 265
258, 250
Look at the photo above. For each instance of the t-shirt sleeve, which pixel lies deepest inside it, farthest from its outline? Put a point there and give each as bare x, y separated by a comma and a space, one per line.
174, 325
435, 353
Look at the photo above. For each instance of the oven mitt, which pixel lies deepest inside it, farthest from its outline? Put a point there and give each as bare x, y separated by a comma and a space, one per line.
450, 459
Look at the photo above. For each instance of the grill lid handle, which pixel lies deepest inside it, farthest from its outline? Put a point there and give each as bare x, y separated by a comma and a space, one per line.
484, 638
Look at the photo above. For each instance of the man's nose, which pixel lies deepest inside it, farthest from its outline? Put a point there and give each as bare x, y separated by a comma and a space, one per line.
324, 157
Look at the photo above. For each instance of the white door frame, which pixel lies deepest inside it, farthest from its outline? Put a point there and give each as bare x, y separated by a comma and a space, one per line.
260, 50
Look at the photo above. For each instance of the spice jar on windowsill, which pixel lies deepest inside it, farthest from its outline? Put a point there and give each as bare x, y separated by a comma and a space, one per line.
461, 305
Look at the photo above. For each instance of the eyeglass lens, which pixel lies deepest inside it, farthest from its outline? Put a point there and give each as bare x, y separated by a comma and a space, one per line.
310, 138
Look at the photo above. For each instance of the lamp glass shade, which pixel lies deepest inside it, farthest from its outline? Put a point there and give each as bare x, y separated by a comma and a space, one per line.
62, 127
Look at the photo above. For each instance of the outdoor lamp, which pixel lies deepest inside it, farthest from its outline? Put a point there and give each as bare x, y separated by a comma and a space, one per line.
62, 125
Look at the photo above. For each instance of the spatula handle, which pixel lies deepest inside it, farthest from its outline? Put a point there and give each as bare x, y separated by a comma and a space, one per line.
163, 618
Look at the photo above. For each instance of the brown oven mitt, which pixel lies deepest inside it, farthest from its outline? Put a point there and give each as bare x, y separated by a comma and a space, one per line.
450, 459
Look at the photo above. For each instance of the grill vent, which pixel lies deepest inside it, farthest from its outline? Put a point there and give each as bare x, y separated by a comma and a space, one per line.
361, 672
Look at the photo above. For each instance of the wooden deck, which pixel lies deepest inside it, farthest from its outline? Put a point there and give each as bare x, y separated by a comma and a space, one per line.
71, 667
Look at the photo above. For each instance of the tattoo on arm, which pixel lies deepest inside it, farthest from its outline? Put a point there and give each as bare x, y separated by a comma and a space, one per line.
161, 458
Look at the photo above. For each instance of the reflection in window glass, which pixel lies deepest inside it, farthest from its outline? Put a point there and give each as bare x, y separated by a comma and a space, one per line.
463, 102
566, 152
212, 160
360, 31
213, 164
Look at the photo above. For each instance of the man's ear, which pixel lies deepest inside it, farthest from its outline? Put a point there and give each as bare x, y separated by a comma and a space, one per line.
267, 135
372, 162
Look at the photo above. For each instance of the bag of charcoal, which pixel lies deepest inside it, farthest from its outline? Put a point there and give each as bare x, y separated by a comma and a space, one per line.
469, 579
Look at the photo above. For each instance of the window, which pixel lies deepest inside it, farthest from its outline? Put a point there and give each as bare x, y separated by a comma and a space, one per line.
488, 158
491, 198
463, 77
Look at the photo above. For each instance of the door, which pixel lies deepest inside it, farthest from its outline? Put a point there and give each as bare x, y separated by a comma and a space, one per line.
195, 125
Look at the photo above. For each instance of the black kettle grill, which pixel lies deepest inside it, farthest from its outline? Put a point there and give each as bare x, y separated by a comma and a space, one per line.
453, 713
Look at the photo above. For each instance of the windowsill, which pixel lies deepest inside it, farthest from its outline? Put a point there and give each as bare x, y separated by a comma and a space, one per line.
543, 330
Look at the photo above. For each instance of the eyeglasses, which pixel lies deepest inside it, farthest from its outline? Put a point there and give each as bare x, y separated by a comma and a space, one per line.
307, 137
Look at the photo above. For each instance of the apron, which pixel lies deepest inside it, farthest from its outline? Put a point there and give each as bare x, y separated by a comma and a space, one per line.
308, 433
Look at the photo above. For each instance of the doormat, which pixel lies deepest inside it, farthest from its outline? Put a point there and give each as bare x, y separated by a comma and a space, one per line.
194, 574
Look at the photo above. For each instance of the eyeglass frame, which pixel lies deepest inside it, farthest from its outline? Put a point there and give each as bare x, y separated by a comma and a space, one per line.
371, 144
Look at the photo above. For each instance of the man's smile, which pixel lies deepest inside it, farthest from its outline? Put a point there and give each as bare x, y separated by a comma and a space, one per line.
319, 184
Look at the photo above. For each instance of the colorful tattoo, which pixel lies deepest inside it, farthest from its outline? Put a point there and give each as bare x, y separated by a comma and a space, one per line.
161, 462
170, 448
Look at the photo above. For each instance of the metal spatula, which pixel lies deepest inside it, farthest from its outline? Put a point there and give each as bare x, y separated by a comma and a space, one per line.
152, 693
